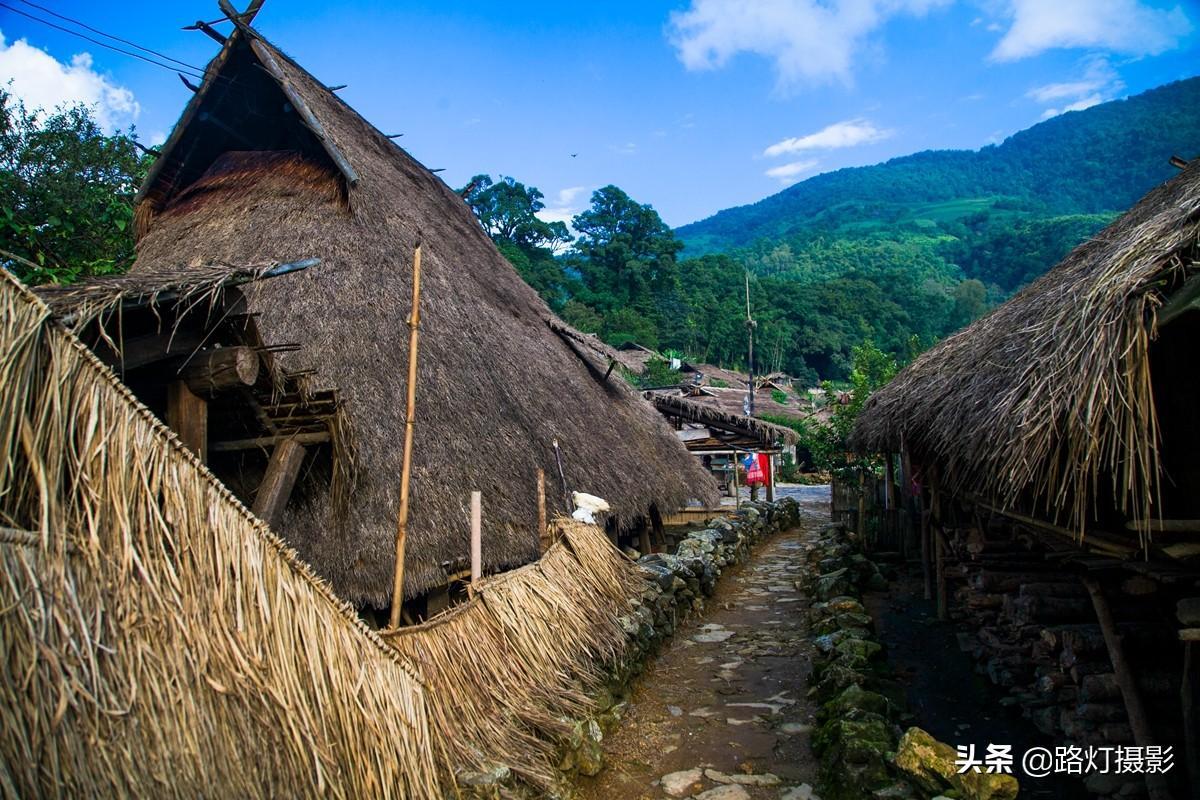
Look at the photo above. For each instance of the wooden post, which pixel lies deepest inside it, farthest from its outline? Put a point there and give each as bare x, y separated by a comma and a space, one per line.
737, 492
644, 537
410, 421
862, 504
187, 415
1156, 783
1191, 725
770, 478
889, 478
943, 610
926, 558
476, 539
276, 488
543, 534
656, 525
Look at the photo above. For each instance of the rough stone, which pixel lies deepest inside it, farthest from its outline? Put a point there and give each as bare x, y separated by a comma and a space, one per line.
679, 784
931, 765
729, 792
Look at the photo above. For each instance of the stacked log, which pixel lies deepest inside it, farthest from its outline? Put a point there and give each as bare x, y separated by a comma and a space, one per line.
1033, 632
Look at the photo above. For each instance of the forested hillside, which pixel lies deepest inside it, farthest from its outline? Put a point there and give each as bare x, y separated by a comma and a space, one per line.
1101, 159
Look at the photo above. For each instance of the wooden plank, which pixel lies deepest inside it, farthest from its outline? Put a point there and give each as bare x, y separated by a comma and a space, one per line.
277, 484
187, 415
263, 442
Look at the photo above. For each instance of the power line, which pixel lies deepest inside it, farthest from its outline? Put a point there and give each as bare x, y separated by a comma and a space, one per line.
198, 73
85, 26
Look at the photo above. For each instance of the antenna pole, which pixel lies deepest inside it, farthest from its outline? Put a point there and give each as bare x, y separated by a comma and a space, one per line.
750, 323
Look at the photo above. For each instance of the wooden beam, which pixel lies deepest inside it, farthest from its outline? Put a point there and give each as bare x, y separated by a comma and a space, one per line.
303, 111
214, 371
187, 415
644, 538
1139, 722
770, 478
263, 442
656, 526
143, 350
277, 484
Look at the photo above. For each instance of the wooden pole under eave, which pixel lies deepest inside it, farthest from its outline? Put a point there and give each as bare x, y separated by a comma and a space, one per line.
1139, 722
410, 421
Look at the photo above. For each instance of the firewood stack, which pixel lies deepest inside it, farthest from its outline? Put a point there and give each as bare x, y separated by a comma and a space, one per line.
1031, 627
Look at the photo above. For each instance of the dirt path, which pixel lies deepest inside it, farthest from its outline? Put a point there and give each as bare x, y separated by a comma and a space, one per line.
728, 692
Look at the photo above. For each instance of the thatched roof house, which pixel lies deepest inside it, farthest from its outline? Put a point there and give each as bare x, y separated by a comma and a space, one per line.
160, 641
1075, 400
267, 165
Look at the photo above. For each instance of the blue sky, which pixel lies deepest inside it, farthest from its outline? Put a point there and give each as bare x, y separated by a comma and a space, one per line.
692, 105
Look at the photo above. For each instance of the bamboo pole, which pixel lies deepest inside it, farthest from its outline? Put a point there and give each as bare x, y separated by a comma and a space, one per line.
476, 539
410, 421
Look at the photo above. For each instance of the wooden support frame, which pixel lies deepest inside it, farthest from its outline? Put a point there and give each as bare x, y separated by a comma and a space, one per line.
280, 479
1139, 722
476, 539
187, 415
262, 442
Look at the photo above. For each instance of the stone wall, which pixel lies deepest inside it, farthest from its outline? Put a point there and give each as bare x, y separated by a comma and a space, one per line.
859, 745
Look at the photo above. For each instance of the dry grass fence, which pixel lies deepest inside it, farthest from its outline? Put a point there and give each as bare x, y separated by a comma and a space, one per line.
159, 640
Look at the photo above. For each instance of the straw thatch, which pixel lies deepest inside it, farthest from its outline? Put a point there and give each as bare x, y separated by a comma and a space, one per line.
691, 410
526, 654
159, 640
1049, 397
302, 175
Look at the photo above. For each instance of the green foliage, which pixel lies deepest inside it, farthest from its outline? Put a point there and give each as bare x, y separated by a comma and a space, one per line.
717, 383
66, 193
658, 373
779, 397
1094, 161
507, 210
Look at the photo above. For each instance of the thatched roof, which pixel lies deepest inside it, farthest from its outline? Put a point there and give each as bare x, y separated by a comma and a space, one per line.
268, 165
160, 641
1052, 391
670, 403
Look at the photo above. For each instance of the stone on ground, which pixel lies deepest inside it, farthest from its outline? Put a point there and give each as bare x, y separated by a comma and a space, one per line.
678, 784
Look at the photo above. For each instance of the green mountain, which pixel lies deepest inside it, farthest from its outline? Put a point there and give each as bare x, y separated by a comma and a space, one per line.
1096, 161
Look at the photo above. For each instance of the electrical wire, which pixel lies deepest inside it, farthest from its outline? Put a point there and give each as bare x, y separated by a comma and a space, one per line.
85, 26
193, 71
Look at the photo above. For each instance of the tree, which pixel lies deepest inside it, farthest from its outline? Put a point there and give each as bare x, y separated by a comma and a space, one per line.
508, 210
625, 252
66, 193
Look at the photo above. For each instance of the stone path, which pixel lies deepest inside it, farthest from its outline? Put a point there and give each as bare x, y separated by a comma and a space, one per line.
721, 713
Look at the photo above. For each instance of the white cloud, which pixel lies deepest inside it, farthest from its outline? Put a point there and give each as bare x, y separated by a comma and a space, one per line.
563, 208
848, 133
627, 149
43, 82
787, 173
1122, 26
808, 40
1098, 83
